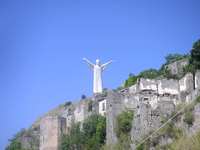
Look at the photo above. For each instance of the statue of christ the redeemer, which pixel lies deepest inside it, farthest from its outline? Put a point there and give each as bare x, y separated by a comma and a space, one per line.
97, 72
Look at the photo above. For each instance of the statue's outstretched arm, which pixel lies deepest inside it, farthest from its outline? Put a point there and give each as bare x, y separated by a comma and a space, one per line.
106, 64
88, 62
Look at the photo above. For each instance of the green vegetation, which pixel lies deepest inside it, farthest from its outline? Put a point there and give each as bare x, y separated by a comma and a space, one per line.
132, 79
171, 131
188, 113
195, 55
186, 143
124, 122
91, 136
74, 140
123, 128
15, 144
141, 147
188, 117
150, 74
198, 100
174, 57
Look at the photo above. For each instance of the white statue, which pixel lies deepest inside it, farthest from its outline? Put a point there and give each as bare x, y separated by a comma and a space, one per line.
97, 70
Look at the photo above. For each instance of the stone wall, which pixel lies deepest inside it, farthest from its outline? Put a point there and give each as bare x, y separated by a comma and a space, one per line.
186, 83
51, 128
147, 119
147, 84
197, 79
170, 86
114, 108
102, 107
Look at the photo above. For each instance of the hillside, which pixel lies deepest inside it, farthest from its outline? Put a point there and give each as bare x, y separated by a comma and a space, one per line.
156, 109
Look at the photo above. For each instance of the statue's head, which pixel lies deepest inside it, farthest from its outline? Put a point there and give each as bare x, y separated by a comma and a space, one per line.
98, 62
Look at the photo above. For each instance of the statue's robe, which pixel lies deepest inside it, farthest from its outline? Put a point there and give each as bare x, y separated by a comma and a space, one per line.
97, 83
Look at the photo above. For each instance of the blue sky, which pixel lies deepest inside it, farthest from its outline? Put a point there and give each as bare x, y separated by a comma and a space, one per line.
42, 44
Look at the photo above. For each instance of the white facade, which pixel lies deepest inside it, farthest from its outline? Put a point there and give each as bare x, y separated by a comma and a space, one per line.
148, 84
168, 87
186, 83
102, 107
197, 79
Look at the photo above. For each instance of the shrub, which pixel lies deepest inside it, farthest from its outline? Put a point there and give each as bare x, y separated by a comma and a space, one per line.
186, 143
124, 123
140, 147
150, 74
189, 118
170, 58
123, 128
94, 131
67, 103
83, 96
91, 136
195, 55
15, 143
74, 140
198, 99
132, 79
170, 130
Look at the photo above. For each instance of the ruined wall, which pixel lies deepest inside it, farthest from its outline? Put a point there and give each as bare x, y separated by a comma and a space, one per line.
79, 112
197, 79
186, 83
148, 84
148, 119
114, 108
170, 86
51, 128
102, 107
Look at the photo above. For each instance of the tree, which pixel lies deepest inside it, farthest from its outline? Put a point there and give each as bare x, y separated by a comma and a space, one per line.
150, 74
124, 123
195, 55
94, 130
91, 136
83, 96
15, 145
132, 79
74, 140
